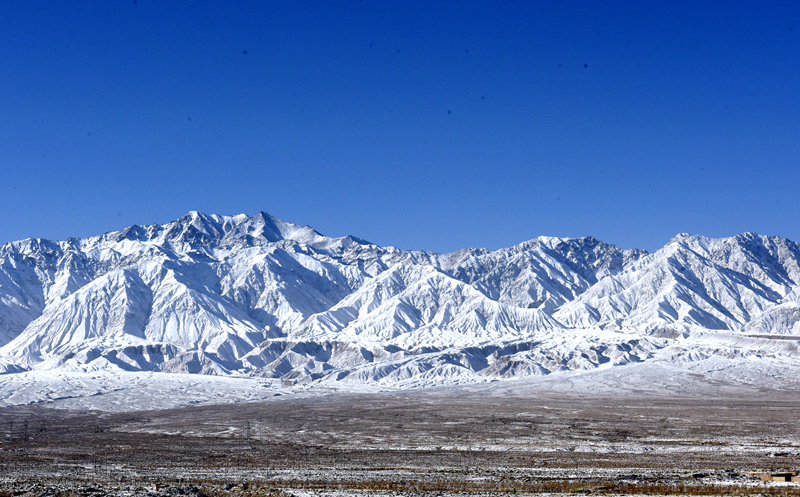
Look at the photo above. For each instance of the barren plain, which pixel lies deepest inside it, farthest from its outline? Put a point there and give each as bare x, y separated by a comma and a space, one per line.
463, 440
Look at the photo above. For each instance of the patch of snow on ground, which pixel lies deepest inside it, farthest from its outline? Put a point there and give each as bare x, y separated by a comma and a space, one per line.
131, 391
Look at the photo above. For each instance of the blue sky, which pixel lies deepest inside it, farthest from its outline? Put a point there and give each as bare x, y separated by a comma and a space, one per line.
423, 125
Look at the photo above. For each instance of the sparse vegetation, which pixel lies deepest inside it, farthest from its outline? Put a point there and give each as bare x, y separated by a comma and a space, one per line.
415, 442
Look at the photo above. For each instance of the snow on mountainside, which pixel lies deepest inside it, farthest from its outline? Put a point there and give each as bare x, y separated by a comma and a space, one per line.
693, 283
262, 297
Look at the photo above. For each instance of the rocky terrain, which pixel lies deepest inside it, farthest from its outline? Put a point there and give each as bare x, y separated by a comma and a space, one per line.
256, 296
478, 440
238, 355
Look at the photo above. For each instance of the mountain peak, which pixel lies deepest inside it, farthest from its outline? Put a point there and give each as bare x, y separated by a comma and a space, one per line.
679, 237
258, 295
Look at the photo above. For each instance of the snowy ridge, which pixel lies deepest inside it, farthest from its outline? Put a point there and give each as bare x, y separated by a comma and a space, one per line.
256, 296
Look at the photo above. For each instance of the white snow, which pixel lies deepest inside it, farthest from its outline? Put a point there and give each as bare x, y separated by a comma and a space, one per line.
253, 296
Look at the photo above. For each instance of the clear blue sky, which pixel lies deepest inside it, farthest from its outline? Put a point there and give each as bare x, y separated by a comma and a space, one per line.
421, 124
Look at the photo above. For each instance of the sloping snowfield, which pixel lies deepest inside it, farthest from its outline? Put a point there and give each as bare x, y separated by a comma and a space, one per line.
713, 377
118, 392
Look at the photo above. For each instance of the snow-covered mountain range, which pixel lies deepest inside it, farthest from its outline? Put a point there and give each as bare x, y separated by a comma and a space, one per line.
258, 296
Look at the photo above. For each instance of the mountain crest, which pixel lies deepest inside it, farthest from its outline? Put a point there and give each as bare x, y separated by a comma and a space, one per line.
257, 295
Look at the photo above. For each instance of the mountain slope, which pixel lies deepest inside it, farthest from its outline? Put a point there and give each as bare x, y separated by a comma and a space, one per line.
258, 296
692, 283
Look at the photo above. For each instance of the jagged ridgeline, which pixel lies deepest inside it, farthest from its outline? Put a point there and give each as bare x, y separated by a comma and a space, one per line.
255, 295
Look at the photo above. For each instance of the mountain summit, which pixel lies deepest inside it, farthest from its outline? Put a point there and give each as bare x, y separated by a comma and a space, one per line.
258, 296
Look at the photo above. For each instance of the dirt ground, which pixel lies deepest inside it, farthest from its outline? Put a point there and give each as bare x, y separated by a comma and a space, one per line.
438, 442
